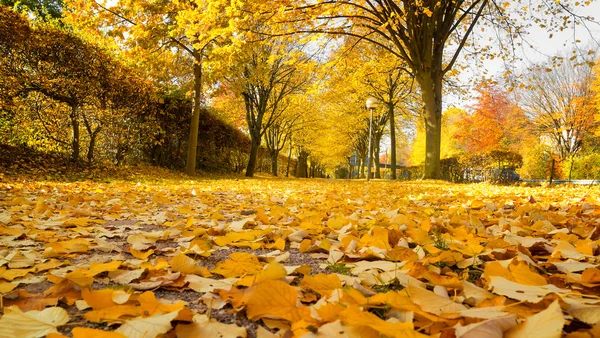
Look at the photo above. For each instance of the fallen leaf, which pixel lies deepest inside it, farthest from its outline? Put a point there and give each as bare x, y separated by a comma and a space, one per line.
148, 327
274, 298
546, 324
83, 332
15, 323
205, 327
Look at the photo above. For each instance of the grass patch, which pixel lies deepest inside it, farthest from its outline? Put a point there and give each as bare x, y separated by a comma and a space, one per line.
342, 269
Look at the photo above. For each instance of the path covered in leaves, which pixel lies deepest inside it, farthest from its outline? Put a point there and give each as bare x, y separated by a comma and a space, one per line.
306, 258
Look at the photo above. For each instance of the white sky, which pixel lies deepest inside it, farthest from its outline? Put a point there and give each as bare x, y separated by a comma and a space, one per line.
542, 48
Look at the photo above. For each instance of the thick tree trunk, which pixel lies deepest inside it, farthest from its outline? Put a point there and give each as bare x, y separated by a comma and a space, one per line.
302, 165
75, 142
274, 158
190, 167
253, 156
392, 139
431, 93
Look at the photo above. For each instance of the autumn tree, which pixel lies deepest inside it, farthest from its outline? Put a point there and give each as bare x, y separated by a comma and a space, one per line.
429, 37
280, 133
558, 100
496, 123
50, 73
390, 83
43, 9
58, 65
265, 74
182, 33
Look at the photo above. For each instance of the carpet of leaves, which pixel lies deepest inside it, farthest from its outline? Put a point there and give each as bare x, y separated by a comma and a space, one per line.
176, 257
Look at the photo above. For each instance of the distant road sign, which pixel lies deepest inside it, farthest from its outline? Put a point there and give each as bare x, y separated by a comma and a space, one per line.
354, 160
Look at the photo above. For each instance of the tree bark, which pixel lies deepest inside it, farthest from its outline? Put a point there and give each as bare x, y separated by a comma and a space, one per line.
302, 165
274, 158
76, 136
287, 170
431, 93
92, 145
190, 167
376, 151
361, 173
392, 139
253, 155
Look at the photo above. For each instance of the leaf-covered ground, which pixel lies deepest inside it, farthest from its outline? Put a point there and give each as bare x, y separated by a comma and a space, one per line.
307, 258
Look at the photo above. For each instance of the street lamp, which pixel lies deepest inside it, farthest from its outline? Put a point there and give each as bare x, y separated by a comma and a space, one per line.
371, 105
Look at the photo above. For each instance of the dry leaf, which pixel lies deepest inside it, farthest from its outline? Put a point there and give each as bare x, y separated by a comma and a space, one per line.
15, 323
205, 327
148, 327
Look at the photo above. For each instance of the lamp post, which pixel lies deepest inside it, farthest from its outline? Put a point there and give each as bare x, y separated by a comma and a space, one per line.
371, 105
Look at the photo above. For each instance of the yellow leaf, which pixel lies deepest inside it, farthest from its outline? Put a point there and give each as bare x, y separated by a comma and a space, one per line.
274, 298
205, 327
113, 313
98, 299
139, 254
352, 316
523, 275
151, 306
272, 271
546, 324
432, 302
84, 332
98, 268
590, 275
201, 284
149, 327
81, 277
187, 265
491, 328
10, 274
15, 323
7, 287
240, 264
321, 283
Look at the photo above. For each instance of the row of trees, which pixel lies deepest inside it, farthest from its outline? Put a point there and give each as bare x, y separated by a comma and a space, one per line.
227, 42
258, 66
65, 85
61, 93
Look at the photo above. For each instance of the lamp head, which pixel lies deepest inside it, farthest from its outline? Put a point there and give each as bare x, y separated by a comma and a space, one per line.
372, 103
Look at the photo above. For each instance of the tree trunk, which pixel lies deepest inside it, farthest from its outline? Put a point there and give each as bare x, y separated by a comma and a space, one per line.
76, 137
274, 158
392, 139
92, 145
253, 155
431, 93
571, 168
190, 167
376, 151
302, 165
361, 173
287, 170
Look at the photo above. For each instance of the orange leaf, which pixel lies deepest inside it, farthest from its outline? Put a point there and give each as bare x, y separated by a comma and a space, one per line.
84, 332
321, 283
591, 275
274, 298
151, 306
240, 264
98, 299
